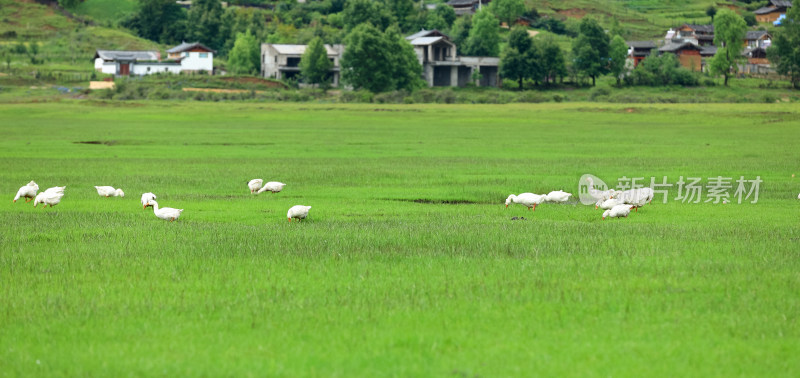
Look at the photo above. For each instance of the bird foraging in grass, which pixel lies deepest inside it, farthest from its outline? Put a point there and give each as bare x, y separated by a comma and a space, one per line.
617, 211
528, 200
147, 197
165, 213
47, 197
559, 196
254, 185
28, 192
298, 212
272, 186
109, 191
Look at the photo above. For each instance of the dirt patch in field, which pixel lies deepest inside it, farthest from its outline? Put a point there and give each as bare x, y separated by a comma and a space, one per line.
219, 90
434, 201
254, 80
105, 142
115, 104
573, 12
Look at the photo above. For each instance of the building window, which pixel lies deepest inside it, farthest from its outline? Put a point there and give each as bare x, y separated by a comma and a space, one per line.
204, 55
148, 69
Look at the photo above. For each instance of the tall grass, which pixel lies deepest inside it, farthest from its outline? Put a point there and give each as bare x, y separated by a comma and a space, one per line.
387, 277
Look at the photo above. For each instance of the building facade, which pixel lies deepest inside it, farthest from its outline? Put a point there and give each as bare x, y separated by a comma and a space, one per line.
281, 61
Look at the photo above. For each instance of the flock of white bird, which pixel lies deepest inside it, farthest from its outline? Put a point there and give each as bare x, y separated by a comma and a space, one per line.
617, 204
52, 197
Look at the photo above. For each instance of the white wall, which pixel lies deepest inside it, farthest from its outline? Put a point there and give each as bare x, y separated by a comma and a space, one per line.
108, 68
152, 68
193, 62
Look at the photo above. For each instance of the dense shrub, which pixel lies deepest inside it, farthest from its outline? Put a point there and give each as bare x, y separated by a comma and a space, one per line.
661, 70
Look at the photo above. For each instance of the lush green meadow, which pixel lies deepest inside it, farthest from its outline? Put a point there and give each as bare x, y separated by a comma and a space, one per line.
409, 264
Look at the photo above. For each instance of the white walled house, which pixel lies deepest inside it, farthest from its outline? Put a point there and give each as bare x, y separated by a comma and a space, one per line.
280, 61
184, 58
194, 57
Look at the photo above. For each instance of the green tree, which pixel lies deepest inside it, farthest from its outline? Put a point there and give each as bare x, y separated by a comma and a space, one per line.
460, 34
519, 60
358, 12
407, 71
159, 20
711, 12
618, 53
69, 3
315, 65
379, 61
206, 24
590, 49
784, 52
434, 21
402, 10
729, 32
447, 14
507, 10
244, 57
552, 59
484, 37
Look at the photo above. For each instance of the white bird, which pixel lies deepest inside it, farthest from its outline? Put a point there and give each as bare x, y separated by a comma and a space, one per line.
109, 191
798, 196
254, 185
165, 213
298, 211
599, 194
272, 186
528, 200
636, 197
607, 204
56, 189
28, 192
618, 211
147, 197
558, 196
48, 198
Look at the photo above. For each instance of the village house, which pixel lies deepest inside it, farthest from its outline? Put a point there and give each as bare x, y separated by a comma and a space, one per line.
702, 35
639, 50
194, 57
442, 67
467, 7
184, 58
772, 12
280, 61
757, 38
687, 52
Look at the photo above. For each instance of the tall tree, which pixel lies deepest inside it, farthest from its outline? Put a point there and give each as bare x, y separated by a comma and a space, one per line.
315, 65
711, 12
158, 20
244, 57
206, 24
447, 14
729, 32
590, 49
784, 52
379, 61
484, 37
402, 10
552, 59
519, 60
460, 34
618, 53
358, 12
507, 10
407, 71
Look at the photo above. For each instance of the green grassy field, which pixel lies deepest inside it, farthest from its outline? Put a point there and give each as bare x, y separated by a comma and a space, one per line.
409, 264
